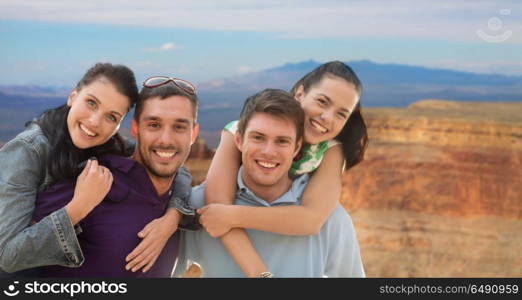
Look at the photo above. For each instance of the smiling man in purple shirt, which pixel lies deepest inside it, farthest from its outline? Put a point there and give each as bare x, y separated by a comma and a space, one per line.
164, 127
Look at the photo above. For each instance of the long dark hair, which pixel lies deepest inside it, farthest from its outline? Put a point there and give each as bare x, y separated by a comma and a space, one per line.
353, 136
64, 157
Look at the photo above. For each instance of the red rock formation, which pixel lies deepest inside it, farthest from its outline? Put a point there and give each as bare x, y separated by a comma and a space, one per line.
200, 150
445, 160
443, 180
439, 191
199, 161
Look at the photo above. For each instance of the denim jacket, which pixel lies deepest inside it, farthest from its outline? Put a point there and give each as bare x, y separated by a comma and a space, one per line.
52, 240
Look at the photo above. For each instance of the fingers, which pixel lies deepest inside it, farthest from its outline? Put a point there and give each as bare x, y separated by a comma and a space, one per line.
203, 214
202, 210
86, 169
133, 262
131, 266
139, 259
145, 242
150, 264
97, 170
94, 170
145, 231
137, 251
146, 260
94, 166
109, 176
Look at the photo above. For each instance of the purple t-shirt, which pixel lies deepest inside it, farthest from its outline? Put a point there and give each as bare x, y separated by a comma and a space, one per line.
109, 232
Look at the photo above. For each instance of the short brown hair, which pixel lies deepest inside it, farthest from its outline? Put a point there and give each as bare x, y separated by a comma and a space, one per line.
163, 92
273, 102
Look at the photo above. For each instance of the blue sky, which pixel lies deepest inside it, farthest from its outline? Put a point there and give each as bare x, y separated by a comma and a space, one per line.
52, 42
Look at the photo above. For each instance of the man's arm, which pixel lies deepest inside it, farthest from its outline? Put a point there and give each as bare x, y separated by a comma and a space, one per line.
156, 234
320, 197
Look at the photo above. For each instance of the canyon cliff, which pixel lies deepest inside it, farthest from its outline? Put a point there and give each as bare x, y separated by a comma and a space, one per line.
438, 193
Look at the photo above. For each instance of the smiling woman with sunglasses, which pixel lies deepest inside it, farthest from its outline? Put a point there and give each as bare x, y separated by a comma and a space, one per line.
52, 148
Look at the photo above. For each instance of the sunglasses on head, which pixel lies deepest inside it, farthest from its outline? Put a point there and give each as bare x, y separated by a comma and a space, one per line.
156, 81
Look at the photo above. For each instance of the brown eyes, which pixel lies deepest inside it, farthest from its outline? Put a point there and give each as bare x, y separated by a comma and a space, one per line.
324, 103
178, 128
181, 128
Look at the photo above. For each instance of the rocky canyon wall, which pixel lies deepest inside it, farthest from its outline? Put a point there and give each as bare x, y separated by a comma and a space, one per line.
440, 191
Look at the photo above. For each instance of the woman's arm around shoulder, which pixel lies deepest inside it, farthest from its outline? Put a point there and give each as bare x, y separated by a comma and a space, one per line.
320, 197
222, 175
51, 241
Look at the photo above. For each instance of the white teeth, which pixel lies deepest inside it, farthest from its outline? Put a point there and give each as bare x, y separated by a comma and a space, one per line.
318, 126
165, 154
266, 164
87, 131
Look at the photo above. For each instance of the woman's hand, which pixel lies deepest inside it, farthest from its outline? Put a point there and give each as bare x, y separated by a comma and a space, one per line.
155, 235
92, 185
217, 219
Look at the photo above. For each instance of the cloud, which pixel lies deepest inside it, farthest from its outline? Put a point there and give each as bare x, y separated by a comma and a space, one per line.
422, 19
169, 46
217, 83
245, 69
164, 47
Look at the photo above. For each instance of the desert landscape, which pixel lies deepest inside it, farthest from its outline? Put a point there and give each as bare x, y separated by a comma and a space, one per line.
438, 194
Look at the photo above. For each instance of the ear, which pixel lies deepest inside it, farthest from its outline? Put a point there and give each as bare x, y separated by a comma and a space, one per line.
298, 147
238, 141
134, 129
299, 93
71, 97
195, 132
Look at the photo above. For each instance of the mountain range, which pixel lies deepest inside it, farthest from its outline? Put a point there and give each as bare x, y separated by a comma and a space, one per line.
388, 85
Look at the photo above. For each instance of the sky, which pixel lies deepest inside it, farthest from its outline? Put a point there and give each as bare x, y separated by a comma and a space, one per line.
53, 42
